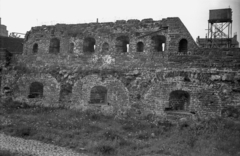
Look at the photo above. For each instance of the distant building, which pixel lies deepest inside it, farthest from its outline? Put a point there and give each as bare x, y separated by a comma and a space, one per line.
13, 45
3, 29
9, 46
218, 42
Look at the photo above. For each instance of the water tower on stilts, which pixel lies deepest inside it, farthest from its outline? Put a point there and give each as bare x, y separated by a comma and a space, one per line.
220, 28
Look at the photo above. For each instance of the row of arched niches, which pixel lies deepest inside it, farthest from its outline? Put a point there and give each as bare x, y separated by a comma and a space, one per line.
158, 44
178, 99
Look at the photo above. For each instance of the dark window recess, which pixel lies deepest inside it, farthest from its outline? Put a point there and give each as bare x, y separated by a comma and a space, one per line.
236, 90
105, 47
186, 79
98, 95
65, 93
122, 44
35, 48
7, 90
36, 90
183, 45
178, 100
89, 45
71, 47
158, 43
54, 46
140, 47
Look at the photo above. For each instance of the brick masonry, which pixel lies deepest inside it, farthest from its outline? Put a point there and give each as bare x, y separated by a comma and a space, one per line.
211, 77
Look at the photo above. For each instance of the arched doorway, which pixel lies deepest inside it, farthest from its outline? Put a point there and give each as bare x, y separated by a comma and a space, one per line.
35, 48
98, 95
158, 43
183, 46
36, 90
105, 47
89, 45
178, 100
54, 46
140, 47
122, 44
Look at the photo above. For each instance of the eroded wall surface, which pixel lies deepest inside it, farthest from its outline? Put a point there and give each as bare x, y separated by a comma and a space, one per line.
112, 66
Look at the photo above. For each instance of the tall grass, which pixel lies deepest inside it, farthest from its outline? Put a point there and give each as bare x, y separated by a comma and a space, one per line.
96, 134
9, 153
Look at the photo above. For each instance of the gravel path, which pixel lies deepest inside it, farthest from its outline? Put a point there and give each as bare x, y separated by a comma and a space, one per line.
32, 147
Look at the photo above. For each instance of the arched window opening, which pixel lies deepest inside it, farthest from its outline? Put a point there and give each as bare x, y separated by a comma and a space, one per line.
65, 93
122, 44
36, 90
98, 95
54, 46
178, 100
71, 47
89, 45
183, 46
140, 47
35, 48
159, 43
105, 47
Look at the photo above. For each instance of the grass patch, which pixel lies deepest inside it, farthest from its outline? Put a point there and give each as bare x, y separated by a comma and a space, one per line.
6, 153
9, 153
93, 133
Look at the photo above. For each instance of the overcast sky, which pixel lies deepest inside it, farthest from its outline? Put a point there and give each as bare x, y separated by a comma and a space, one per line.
21, 15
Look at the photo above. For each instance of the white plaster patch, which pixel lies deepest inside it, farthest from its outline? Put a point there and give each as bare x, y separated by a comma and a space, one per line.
107, 59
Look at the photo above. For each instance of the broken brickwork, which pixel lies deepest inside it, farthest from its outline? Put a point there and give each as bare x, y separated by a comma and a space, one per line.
113, 66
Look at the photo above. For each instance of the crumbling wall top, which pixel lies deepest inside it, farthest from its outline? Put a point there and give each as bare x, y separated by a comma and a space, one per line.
129, 23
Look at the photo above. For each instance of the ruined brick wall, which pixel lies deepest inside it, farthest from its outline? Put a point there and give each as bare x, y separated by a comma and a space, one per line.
131, 63
104, 33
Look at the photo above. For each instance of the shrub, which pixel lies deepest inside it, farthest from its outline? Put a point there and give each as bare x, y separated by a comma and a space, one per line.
231, 111
111, 135
42, 109
23, 131
93, 115
103, 147
165, 125
144, 136
132, 125
6, 153
10, 104
9, 153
